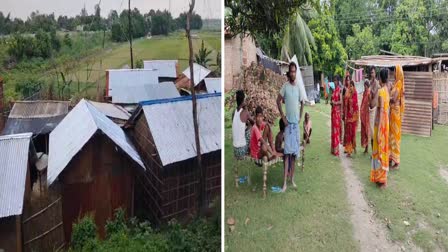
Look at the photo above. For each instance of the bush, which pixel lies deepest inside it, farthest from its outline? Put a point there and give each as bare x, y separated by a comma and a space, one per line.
139, 64
118, 225
84, 234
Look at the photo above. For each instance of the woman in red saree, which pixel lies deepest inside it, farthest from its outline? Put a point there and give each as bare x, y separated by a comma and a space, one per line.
336, 103
351, 118
365, 124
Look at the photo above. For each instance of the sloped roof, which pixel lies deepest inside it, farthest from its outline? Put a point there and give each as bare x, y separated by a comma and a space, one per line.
137, 94
391, 60
213, 85
199, 73
38, 117
166, 68
121, 81
14, 153
76, 130
111, 110
174, 134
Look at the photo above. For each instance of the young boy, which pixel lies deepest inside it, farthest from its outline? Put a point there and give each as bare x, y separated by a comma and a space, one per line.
307, 128
261, 140
240, 118
280, 137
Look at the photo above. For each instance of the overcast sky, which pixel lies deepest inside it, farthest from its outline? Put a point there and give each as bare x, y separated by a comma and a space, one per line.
23, 8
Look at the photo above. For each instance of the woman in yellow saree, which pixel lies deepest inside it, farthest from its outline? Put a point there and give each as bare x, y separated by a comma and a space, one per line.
380, 150
396, 116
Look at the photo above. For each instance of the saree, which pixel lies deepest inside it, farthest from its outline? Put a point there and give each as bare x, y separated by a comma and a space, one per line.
351, 120
365, 114
380, 150
396, 115
335, 121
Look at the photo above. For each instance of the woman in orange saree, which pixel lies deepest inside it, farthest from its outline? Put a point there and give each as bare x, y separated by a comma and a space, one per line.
380, 150
396, 116
365, 124
351, 119
336, 103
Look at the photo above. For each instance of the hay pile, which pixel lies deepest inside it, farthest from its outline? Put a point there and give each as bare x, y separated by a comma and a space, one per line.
261, 87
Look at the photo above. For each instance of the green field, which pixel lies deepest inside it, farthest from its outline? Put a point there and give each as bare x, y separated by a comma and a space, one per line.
86, 73
317, 217
314, 218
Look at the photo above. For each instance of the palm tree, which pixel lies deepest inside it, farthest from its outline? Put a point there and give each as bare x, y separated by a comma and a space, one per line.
202, 56
298, 38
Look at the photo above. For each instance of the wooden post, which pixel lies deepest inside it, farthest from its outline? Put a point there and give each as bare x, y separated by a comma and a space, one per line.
235, 170
2, 123
130, 33
202, 191
265, 175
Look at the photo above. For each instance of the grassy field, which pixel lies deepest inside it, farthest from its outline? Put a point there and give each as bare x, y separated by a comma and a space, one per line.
416, 193
317, 218
314, 218
91, 70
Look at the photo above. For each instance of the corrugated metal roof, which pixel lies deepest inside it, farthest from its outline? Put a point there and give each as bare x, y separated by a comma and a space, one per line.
166, 68
391, 61
127, 79
38, 117
199, 73
111, 110
14, 152
38, 109
147, 92
213, 85
171, 125
76, 130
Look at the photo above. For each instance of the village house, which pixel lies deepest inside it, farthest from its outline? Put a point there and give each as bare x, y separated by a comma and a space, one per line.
95, 164
163, 133
37, 117
183, 82
16, 158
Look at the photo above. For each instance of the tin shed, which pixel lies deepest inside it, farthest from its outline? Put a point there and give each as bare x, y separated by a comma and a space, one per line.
163, 133
95, 164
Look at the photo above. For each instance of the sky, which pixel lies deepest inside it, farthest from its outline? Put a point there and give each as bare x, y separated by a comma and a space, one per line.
23, 8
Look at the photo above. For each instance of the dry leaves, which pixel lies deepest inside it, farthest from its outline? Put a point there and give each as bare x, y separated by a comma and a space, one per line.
261, 87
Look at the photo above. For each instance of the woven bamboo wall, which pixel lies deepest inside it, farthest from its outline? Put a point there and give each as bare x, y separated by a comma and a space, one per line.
440, 81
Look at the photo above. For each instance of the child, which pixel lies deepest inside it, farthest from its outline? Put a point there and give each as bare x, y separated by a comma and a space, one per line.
307, 128
261, 140
280, 137
240, 118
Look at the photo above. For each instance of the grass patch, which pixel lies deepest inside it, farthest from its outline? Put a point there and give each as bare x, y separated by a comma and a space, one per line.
416, 193
316, 218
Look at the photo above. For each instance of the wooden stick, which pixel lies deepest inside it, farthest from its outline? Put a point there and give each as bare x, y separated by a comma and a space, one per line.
44, 234
41, 211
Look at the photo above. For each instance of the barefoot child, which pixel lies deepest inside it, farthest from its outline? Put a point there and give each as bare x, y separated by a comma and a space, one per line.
261, 140
307, 128
240, 118
280, 137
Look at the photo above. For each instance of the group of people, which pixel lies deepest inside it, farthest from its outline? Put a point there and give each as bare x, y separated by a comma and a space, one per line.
381, 114
255, 136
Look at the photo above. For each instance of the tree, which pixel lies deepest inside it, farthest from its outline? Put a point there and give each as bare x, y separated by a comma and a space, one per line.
196, 21
362, 42
118, 33
67, 40
202, 57
162, 23
329, 54
264, 17
298, 40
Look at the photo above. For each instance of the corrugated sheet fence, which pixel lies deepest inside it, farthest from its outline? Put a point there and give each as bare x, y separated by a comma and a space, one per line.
440, 82
42, 222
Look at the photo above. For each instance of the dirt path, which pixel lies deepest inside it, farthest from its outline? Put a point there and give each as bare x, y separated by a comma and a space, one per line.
368, 231
444, 173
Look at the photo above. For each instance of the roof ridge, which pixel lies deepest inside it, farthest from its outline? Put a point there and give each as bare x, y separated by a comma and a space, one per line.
16, 136
178, 99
